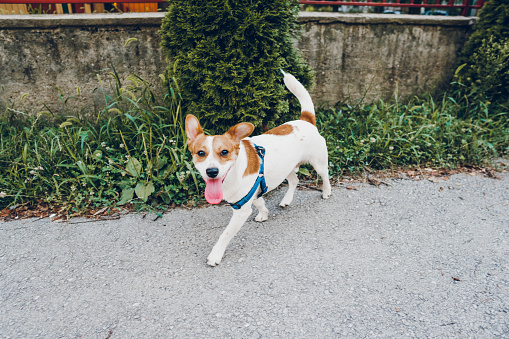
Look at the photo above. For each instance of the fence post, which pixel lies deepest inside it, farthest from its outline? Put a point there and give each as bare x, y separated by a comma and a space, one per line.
466, 5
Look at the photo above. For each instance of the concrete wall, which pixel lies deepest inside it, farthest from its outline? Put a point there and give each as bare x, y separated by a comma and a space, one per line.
40, 52
374, 55
353, 55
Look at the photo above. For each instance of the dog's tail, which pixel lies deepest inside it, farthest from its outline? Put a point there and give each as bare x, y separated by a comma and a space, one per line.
306, 103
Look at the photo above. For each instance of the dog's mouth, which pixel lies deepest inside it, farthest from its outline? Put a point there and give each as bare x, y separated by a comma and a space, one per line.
214, 189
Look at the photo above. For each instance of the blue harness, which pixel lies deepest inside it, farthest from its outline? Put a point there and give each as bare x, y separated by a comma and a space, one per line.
260, 182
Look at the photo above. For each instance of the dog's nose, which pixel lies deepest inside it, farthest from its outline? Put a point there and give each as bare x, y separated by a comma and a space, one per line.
212, 172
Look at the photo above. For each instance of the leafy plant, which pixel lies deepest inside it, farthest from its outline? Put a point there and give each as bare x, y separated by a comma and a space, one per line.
485, 57
487, 71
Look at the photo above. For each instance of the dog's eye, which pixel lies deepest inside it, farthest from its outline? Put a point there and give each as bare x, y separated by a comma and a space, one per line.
201, 153
224, 152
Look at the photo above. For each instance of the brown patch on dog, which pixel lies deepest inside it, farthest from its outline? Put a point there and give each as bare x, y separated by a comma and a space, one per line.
223, 143
309, 117
281, 130
193, 128
240, 131
253, 161
196, 145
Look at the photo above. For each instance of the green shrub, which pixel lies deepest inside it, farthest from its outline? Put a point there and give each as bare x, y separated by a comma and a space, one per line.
489, 69
227, 55
486, 54
493, 21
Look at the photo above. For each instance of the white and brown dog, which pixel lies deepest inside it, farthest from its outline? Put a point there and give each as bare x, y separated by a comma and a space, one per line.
240, 169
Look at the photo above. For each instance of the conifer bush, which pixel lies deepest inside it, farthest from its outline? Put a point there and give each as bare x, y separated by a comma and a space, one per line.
227, 55
486, 54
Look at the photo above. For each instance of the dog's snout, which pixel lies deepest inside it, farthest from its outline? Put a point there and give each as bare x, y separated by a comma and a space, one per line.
212, 172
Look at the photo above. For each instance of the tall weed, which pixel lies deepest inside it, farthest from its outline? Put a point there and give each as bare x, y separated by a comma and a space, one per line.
421, 132
133, 150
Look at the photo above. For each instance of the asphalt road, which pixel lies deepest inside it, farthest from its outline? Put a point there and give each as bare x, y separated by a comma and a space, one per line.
416, 258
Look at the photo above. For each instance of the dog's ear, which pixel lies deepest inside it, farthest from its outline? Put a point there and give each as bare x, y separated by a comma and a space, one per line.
193, 128
240, 131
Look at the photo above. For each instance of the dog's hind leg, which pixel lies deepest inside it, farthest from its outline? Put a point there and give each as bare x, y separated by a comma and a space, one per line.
293, 181
321, 167
238, 219
263, 212
326, 187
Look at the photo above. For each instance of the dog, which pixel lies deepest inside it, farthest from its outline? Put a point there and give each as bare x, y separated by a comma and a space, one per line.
239, 169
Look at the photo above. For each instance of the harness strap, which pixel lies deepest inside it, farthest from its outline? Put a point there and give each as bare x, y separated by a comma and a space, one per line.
260, 182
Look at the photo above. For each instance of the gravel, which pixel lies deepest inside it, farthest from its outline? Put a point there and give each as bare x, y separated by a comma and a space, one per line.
416, 258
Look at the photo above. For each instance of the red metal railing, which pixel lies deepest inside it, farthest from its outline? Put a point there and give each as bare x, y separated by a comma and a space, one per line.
75, 1
77, 6
464, 5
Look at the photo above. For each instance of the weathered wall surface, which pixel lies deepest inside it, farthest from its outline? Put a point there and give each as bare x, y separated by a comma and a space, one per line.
353, 55
375, 55
39, 53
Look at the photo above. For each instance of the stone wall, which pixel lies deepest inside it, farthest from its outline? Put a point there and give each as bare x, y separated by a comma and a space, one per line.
353, 55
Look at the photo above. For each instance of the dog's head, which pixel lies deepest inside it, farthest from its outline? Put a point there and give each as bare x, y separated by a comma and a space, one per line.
214, 155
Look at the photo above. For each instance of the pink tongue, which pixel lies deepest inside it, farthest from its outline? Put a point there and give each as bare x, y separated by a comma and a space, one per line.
214, 191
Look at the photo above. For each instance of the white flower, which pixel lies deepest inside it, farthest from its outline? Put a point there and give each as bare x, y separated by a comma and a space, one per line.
110, 161
391, 148
372, 139
73, 188
362, 142
181, 175
3, 194
121, 146
103, 144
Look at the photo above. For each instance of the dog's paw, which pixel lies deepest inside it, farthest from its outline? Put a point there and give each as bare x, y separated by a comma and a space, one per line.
326, 195
326, 192
262, 217
214, 258
286, 201
213, 261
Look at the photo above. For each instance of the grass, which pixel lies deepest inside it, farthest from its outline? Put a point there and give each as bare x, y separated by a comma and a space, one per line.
133, 151
418, 132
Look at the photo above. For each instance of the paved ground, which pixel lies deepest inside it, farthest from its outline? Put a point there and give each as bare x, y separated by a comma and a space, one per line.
417, 258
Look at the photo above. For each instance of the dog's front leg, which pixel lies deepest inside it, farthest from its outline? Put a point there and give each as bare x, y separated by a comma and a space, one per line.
238, 219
